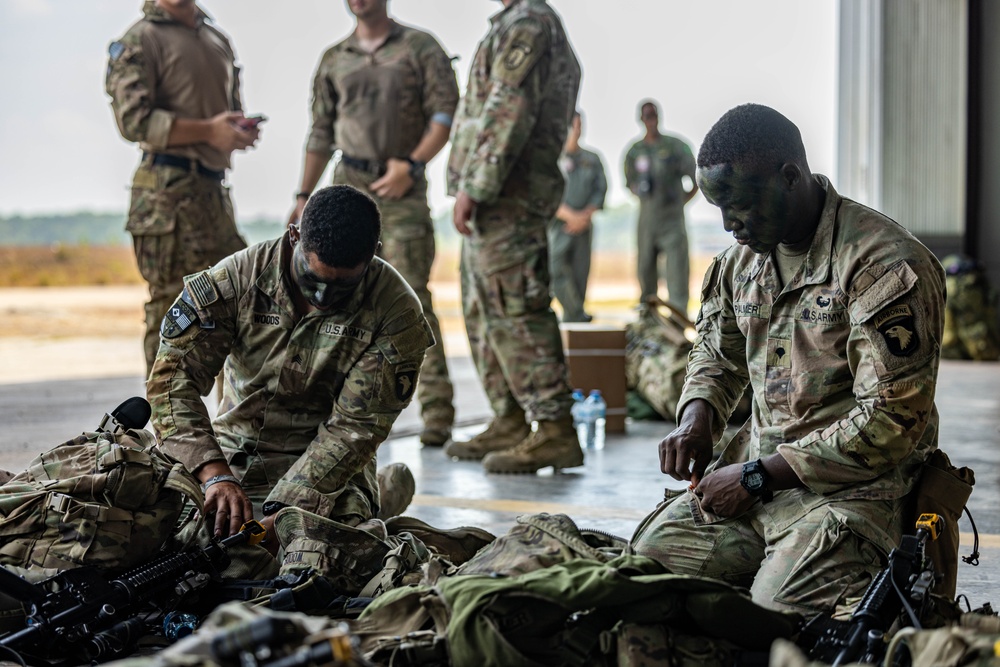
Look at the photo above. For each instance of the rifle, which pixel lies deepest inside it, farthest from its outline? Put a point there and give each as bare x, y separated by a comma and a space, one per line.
904, 585
269, 641
81, 613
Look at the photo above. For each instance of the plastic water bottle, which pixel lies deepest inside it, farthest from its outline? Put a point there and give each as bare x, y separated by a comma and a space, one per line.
578, 412
597, 412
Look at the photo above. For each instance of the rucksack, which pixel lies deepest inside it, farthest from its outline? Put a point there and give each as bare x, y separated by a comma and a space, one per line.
109, 499
548, 593
970, 325
656, 353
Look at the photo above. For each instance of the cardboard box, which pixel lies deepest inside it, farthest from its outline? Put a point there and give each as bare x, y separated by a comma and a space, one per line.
595, 356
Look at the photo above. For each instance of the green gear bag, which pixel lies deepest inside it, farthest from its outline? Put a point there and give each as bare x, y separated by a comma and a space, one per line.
550, 594
102, 499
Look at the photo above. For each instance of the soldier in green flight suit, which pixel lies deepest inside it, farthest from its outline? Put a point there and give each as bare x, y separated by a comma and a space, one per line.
571, 232
660, 170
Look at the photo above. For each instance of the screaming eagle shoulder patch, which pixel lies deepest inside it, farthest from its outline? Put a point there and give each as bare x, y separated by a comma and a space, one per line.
898, 329
405, 381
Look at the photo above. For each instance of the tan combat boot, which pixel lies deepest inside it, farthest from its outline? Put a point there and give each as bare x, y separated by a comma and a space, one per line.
502, 433
554, 444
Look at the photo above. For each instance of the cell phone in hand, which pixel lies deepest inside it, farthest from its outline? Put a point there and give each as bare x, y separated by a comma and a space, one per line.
251, 122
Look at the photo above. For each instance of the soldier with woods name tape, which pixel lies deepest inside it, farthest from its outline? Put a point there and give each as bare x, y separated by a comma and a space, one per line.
175, 91
320, 342
833, 314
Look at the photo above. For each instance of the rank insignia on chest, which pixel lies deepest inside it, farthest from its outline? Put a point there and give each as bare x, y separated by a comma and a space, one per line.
898, 329
405, 381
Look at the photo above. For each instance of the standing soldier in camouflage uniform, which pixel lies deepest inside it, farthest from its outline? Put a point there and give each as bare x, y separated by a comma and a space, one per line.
385, 97
504, 174
655, 169
321, 344
832, 313
571, 232
175, 90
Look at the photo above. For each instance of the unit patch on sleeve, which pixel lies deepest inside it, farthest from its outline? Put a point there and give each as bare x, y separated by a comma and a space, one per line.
898, 329
405, 380
177, 320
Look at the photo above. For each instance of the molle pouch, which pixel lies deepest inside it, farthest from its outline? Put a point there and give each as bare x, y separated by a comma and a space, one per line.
109, 500
539, 541
942, 489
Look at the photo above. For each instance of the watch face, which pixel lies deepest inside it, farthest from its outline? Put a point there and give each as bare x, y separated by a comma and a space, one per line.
754, 479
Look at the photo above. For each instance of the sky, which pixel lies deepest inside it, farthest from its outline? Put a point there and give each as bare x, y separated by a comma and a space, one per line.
60, 150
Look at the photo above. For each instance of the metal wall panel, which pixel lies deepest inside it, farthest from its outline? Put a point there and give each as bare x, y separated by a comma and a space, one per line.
902, 121
924, 115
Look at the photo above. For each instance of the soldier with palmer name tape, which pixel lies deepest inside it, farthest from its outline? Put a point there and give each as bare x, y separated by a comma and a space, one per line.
832, 313
320, 342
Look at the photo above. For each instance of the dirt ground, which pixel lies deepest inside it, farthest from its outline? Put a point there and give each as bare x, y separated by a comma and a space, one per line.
68, 332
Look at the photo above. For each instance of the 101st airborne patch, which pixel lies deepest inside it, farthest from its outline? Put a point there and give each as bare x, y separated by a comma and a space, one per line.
519, 56
405, 381
898, 329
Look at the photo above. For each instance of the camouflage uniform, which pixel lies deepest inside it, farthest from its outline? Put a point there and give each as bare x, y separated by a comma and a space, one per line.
375, 106
181, 219
508, 134
307, 400
661, 229
843, 363
569, 254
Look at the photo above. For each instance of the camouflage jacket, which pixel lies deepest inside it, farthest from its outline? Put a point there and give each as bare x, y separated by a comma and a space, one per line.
375, 106
161, 70
511, 124
326, 386
666, 163
586, 182
842, 361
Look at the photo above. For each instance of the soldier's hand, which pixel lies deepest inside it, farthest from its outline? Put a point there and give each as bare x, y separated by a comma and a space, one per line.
722, 494
687, 451
576, 223
225, 134
229, 506
465, 209
396, 182
296, 214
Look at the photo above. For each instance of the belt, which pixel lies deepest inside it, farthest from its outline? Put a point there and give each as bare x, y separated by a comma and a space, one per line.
373, 167
165, 160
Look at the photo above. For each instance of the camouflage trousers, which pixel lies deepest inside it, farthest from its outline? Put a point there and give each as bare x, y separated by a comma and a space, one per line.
661, 233
180, 223
800, 552
512, 329
351, 504
408, 245
569, 264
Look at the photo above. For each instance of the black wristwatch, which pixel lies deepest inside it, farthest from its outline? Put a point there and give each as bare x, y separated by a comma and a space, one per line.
272, 507
754, 480
416, 168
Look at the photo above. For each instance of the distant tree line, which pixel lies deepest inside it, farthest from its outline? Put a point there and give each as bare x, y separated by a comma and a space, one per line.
614, 230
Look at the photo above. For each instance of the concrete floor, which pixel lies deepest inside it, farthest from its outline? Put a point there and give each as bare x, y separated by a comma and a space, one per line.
612, 492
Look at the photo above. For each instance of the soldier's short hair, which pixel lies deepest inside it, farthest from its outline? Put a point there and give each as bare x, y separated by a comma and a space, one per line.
648, 103
755, 136
342, 225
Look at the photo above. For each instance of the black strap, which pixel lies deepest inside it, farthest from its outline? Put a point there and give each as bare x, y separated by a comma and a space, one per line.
166, 160
373, 167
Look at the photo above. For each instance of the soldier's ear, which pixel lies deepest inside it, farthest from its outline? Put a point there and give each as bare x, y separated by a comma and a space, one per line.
791, 174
